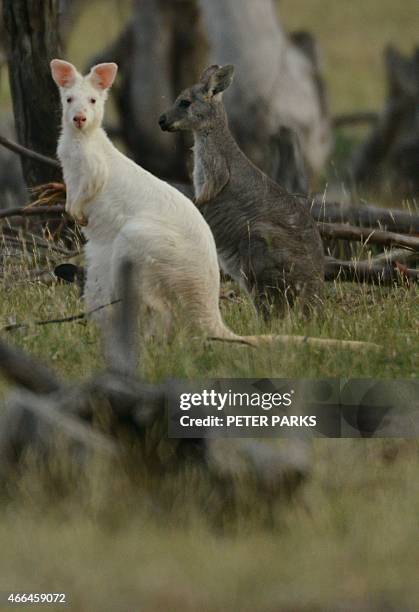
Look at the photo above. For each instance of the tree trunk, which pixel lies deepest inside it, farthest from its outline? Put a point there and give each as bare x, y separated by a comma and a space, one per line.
160, 53
277, 80
32, 40
391, 150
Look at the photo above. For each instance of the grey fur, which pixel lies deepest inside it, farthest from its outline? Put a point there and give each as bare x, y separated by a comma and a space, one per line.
266, 237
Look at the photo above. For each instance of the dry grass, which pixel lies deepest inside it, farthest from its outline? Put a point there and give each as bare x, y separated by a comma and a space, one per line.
348, 543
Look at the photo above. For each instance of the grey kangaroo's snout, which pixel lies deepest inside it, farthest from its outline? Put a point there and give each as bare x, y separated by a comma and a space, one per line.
164, 123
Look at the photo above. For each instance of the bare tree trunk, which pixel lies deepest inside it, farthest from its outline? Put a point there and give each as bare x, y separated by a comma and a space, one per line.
277, 80
32, 41
392, 147
160, 53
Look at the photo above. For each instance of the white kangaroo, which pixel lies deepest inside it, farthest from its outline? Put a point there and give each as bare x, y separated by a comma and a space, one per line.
128, 213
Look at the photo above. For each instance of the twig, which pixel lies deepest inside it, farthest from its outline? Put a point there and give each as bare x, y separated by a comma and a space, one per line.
77, 317
21, 150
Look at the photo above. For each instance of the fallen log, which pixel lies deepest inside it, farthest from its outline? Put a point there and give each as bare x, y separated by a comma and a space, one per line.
366, 215
370, 272
367, 235
33, 211
45, 409
399, 255
25, 371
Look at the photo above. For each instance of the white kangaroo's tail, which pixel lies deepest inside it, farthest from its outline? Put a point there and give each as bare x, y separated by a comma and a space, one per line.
223, 334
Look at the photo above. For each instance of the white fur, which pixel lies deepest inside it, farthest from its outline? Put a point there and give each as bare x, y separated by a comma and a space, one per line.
132, 214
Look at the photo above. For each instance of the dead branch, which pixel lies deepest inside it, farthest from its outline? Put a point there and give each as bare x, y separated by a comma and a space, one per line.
366, 215
367, 235
24, 152
399, 255
371, 272
26, 371
24, 211
47, 410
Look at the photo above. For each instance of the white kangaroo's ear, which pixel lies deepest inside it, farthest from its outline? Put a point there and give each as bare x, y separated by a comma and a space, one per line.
63, 73
103, 75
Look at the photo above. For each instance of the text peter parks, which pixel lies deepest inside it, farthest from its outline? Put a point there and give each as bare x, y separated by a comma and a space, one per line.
293, 408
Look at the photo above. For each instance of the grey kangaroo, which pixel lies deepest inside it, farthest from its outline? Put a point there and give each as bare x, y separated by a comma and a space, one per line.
266, 238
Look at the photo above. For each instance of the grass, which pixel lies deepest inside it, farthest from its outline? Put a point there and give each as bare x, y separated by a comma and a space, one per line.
385, 316
351, 545
348, 539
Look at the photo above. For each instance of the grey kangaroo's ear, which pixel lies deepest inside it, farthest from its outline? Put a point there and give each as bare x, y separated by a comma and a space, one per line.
217, 78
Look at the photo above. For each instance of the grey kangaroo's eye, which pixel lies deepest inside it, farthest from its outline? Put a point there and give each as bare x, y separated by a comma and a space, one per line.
69, 99
184, 103
92, 100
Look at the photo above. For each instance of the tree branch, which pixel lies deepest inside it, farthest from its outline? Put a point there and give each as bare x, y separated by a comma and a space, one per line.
24, 152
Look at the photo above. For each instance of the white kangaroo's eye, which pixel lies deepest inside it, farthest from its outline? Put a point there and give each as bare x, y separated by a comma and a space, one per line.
92, 100
69, 99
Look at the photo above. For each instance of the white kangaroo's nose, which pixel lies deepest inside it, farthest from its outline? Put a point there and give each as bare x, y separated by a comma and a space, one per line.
79, 120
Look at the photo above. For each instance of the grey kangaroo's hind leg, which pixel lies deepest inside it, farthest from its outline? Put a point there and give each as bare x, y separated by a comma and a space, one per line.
265, 279
272, 298
312, 298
